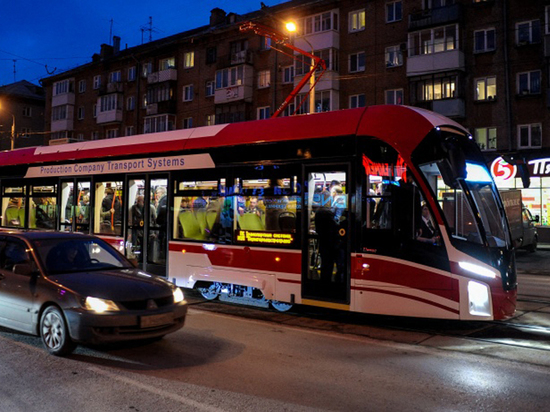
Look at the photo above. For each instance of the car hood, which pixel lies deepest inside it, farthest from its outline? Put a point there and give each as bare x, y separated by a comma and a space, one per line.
117, 285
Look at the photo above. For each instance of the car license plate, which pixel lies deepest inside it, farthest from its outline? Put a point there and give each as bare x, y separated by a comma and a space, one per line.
156, 320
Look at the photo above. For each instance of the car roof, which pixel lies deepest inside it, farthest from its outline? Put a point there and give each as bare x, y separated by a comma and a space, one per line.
36, 235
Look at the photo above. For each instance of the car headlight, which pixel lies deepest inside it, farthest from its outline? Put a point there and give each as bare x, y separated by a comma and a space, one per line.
100, 305
178, 295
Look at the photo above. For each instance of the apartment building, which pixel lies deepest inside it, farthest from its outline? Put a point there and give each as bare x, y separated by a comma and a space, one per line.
22, 106
484, 63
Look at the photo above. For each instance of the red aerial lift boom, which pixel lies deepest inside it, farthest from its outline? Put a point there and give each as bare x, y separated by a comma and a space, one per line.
283, 40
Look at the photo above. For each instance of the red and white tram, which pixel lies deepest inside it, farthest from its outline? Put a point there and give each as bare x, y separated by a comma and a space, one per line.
386, 210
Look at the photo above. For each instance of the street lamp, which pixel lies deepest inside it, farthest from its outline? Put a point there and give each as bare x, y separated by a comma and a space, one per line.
12, 127
291, 27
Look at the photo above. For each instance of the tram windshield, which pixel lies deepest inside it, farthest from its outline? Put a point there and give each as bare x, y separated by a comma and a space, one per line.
476, 195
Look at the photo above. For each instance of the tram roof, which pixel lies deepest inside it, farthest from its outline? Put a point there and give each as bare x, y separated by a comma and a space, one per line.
401, 126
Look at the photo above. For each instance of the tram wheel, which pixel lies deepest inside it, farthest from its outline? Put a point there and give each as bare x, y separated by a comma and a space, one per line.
281, 306
210, 291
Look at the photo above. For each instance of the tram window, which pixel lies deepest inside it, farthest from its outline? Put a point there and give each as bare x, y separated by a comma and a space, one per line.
108, 216
43, 207
203, 218
14, 211
200, 185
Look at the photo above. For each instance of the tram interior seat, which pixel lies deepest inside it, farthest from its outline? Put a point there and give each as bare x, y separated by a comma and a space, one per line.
190, 225
251, 221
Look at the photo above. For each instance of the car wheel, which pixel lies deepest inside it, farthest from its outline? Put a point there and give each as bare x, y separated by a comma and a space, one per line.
533, 246
54, 332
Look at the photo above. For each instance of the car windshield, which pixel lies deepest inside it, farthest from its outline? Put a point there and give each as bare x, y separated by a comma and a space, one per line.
66, 255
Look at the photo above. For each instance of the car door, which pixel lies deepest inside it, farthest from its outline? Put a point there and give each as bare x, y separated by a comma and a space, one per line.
16, 290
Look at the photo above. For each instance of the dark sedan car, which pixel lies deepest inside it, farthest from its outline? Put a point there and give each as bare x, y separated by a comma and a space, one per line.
72, 288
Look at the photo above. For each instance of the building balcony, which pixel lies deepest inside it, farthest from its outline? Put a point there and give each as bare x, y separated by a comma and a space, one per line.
116, 87
435, 62
64, 124
163, 76
446, 107
63, 99
233, 94
111, 116
242, 57
318, 41
435, 17
165, 107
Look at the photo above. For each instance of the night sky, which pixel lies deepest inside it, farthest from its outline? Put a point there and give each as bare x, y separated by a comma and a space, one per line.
48, 38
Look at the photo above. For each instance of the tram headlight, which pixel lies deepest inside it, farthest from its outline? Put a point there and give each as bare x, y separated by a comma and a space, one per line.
478, 299
478, 270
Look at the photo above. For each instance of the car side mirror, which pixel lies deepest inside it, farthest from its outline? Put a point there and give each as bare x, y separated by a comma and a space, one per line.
25, 269
536, 218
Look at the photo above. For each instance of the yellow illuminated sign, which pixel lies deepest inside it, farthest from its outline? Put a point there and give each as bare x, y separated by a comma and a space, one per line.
265, 237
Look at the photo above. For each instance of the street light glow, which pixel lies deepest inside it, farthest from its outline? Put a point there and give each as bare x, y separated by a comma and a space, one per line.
291, 26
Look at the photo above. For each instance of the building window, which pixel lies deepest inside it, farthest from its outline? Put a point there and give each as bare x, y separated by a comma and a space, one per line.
97, 82
264, 79
435, 89
486, 138
109, 103
81, 113
394, 96
232, 76
529, 83
188, 93
486, 88
528, 32
357, 100
210, 119
95, 135
159, 93
131, 103
288, 74
357, 21
394, 56
168, 63
289, 110
210, 88
211, 55
394, 11
156, 124
129, 131
94, 111
318, 23
436, 40
323, 101
114, 77
63, 87
59, 113
357, 62
529, 136
112, 133
132, 73
330, 56
27, 111
265, 43
80, 137
263, 113
484, 40
188, 59
81, 86
146, 69
188, 123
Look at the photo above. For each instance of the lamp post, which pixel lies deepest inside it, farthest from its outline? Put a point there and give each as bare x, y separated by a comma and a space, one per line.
12, 127
291, 27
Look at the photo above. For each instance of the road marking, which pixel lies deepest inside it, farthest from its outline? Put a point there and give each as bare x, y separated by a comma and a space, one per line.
165, 394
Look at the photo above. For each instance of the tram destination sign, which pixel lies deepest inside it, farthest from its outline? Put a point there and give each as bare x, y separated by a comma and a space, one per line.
148, 164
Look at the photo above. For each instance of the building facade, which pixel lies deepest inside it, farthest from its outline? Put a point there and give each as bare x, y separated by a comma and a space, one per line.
484, 63
22, 106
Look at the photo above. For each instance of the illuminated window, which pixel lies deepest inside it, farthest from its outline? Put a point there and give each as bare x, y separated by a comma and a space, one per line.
486, 88
486, 138
357, 20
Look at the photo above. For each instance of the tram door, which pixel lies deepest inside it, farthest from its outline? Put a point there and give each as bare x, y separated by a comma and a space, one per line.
325, 273
74, 204
147, 224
